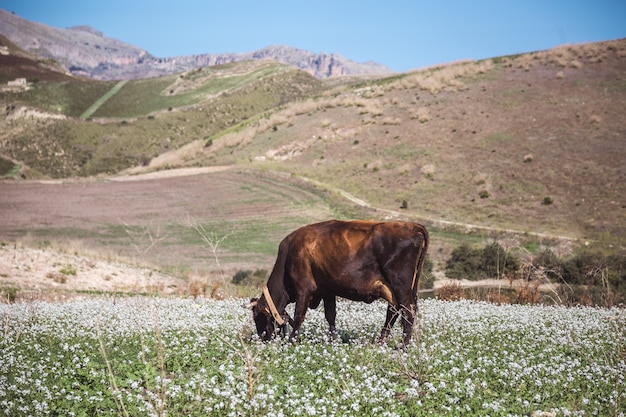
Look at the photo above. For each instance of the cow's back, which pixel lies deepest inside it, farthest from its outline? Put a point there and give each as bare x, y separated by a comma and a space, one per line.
350, 258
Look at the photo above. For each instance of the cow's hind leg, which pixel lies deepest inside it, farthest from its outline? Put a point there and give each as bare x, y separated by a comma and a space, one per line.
330, 312
408, 318
392, 316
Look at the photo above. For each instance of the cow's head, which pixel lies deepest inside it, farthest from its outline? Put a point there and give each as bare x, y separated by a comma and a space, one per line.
263, 320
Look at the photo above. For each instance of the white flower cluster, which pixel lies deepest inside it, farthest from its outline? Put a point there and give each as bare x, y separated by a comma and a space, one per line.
156, 356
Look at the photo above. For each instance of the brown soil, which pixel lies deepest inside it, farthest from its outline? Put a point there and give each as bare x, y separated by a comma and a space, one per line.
104, 228
61, 272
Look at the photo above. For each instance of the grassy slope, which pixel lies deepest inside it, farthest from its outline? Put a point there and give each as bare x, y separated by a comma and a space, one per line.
519, 133
144, 119
484, 143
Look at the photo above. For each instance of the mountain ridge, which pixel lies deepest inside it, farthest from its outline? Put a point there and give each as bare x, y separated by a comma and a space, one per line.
85, 51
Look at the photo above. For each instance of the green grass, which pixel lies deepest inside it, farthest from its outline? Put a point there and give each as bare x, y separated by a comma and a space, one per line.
69, 98
141, 97
87, 113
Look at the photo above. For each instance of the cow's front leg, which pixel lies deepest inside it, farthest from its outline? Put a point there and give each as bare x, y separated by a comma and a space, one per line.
330, 312
302, 304
392, 316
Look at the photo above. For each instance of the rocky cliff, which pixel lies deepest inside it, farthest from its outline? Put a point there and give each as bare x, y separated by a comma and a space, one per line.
87, 52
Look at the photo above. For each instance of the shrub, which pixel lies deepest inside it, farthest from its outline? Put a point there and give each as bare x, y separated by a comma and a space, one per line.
68, 269
248, 277
450, 292
497, 262
549, 262
9, 295
492, 261
547, 201
241, 276
57, 277
590, 277
464, 262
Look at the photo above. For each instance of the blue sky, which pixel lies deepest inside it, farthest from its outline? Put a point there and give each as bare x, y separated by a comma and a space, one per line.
402, 34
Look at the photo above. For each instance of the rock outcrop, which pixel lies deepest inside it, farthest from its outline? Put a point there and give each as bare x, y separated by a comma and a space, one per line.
85, 51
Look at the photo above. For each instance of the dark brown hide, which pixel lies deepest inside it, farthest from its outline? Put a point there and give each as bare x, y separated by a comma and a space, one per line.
357, 260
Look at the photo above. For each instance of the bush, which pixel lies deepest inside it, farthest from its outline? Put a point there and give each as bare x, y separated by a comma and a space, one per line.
497, 262
450, 292
464, 262
591, 278
492, 261
248, 277
591, 268
549, 262
240, 276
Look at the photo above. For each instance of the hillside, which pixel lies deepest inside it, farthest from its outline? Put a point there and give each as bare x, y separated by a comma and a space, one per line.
533, 142
85, 51
17, 63
43, 128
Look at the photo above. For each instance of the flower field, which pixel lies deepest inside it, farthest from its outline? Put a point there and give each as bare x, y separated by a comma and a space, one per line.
169, 356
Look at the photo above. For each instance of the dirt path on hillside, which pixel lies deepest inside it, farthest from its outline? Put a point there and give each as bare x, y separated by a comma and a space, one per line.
96, 105
168, 173
392, 214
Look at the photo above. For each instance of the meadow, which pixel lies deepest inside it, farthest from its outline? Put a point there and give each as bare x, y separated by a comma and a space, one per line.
174, 356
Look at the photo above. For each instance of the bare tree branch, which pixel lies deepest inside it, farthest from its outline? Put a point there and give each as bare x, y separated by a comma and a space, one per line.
138, 238
211, 239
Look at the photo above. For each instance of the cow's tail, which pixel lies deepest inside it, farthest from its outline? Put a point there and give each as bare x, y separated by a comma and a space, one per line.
420, 263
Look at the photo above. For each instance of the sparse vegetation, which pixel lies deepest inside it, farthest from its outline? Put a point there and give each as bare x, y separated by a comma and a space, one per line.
479, 143
466, 120
68, 269
584, 278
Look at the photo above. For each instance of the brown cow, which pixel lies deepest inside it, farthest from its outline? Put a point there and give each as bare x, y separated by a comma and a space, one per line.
357, 260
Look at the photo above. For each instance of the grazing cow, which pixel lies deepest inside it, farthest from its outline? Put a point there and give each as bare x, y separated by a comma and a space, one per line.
357, 260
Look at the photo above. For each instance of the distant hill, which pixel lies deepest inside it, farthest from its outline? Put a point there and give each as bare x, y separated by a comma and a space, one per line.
17, 63
87, 52
533, 142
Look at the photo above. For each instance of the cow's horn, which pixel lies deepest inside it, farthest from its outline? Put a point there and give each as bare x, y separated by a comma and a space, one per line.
252, 304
